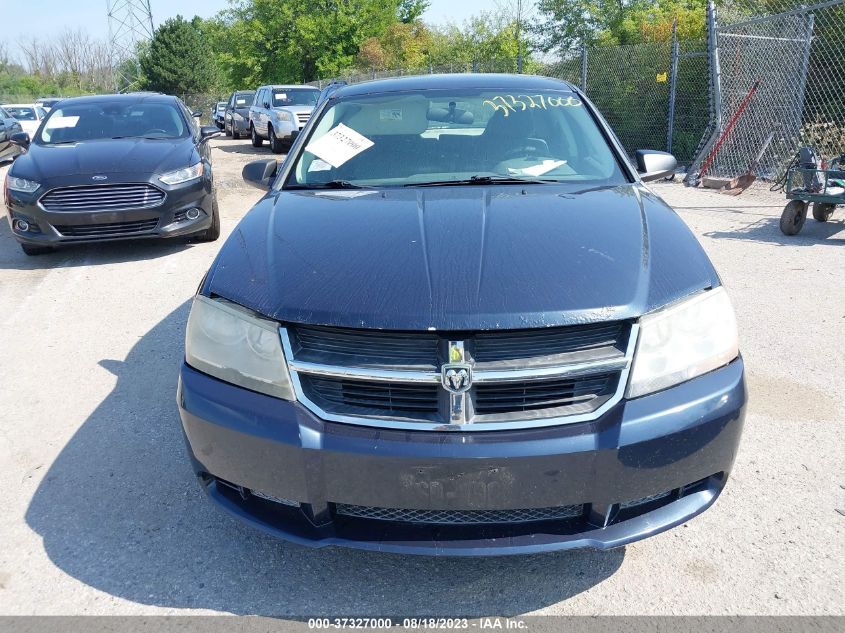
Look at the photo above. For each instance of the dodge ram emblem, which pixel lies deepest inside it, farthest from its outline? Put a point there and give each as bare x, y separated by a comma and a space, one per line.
456, 377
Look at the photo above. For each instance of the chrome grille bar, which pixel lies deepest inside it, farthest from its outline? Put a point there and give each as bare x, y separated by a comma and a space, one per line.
101, 197
571, 391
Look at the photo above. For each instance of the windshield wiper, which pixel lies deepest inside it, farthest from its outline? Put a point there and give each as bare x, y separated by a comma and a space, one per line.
480, 180
331, 184
150, 138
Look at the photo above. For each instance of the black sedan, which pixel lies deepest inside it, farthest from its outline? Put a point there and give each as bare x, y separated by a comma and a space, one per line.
113, 167
8, 126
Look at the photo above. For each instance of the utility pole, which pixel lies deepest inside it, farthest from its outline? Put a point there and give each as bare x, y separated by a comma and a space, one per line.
130, 24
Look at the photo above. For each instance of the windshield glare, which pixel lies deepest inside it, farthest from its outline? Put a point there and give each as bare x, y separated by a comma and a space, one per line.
94, 121
294, 97
413, 138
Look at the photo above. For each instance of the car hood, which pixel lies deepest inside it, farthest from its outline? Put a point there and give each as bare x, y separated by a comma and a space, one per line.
452, 258
296, 109
108, 156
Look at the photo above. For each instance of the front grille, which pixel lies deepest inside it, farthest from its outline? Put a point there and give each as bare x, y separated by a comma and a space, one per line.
531, 395
549, 347
112, 229
359, 348
302, 118
379, 397
459, 517
522, 377
103, 198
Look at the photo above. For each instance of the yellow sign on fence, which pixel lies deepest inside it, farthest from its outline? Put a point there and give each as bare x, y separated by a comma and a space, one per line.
662, 78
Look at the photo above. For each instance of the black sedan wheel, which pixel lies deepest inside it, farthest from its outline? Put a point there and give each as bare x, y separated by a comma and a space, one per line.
227, 130
212, 232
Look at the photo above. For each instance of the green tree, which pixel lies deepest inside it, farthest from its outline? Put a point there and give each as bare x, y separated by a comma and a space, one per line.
410, 11
178, 59
299, 40
565, 24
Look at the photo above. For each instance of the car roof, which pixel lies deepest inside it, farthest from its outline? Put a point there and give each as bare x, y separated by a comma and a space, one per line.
274, 86
138, 97
472, 81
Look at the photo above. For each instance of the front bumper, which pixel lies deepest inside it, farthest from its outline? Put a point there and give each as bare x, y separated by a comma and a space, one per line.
645, 466
163, 221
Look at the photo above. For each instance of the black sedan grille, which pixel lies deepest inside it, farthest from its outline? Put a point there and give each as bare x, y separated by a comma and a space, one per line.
460, 517
379, 397
531, 395
103, 198
517, 377
113, 229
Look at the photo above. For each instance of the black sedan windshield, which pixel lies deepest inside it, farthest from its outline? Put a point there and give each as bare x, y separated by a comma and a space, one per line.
106, 120
470, 137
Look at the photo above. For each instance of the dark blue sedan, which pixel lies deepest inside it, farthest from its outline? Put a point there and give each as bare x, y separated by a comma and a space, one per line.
458, 323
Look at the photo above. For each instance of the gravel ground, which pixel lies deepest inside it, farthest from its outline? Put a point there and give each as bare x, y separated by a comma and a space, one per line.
101, 513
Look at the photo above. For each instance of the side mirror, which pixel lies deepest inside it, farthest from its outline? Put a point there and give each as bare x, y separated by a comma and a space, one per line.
267, 104
653, 165
21, 139
197, 114
209, 131
260, 173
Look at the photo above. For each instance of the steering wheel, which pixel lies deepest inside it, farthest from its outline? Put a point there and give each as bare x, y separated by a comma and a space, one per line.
535, 147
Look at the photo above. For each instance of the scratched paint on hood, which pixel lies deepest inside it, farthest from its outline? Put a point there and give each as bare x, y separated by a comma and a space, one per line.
470, 258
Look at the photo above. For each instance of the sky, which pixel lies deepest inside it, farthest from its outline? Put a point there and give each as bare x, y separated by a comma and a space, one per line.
56, 15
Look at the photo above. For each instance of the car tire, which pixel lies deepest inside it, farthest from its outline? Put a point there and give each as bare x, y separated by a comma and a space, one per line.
276, 145
227, 130
257, 141
32, 249
823, 210
213, 232
793, 217
235, 134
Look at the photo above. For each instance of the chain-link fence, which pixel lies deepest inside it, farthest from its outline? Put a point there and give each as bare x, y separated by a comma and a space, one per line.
781, 85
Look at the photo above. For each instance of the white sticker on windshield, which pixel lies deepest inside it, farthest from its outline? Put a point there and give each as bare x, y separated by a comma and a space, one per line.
240, 101
319, 165
339, 145
537, 170
63, 121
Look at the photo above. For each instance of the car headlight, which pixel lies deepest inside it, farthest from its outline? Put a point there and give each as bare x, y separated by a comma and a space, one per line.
228, 342
683, 341
283, 115
22, 184
182, 175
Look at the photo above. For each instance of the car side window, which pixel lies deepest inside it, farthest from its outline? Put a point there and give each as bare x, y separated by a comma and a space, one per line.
192, 122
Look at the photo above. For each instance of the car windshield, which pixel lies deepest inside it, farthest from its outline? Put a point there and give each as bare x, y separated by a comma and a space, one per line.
22, 113
294, 97
244, 98
110, 119
455, 137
